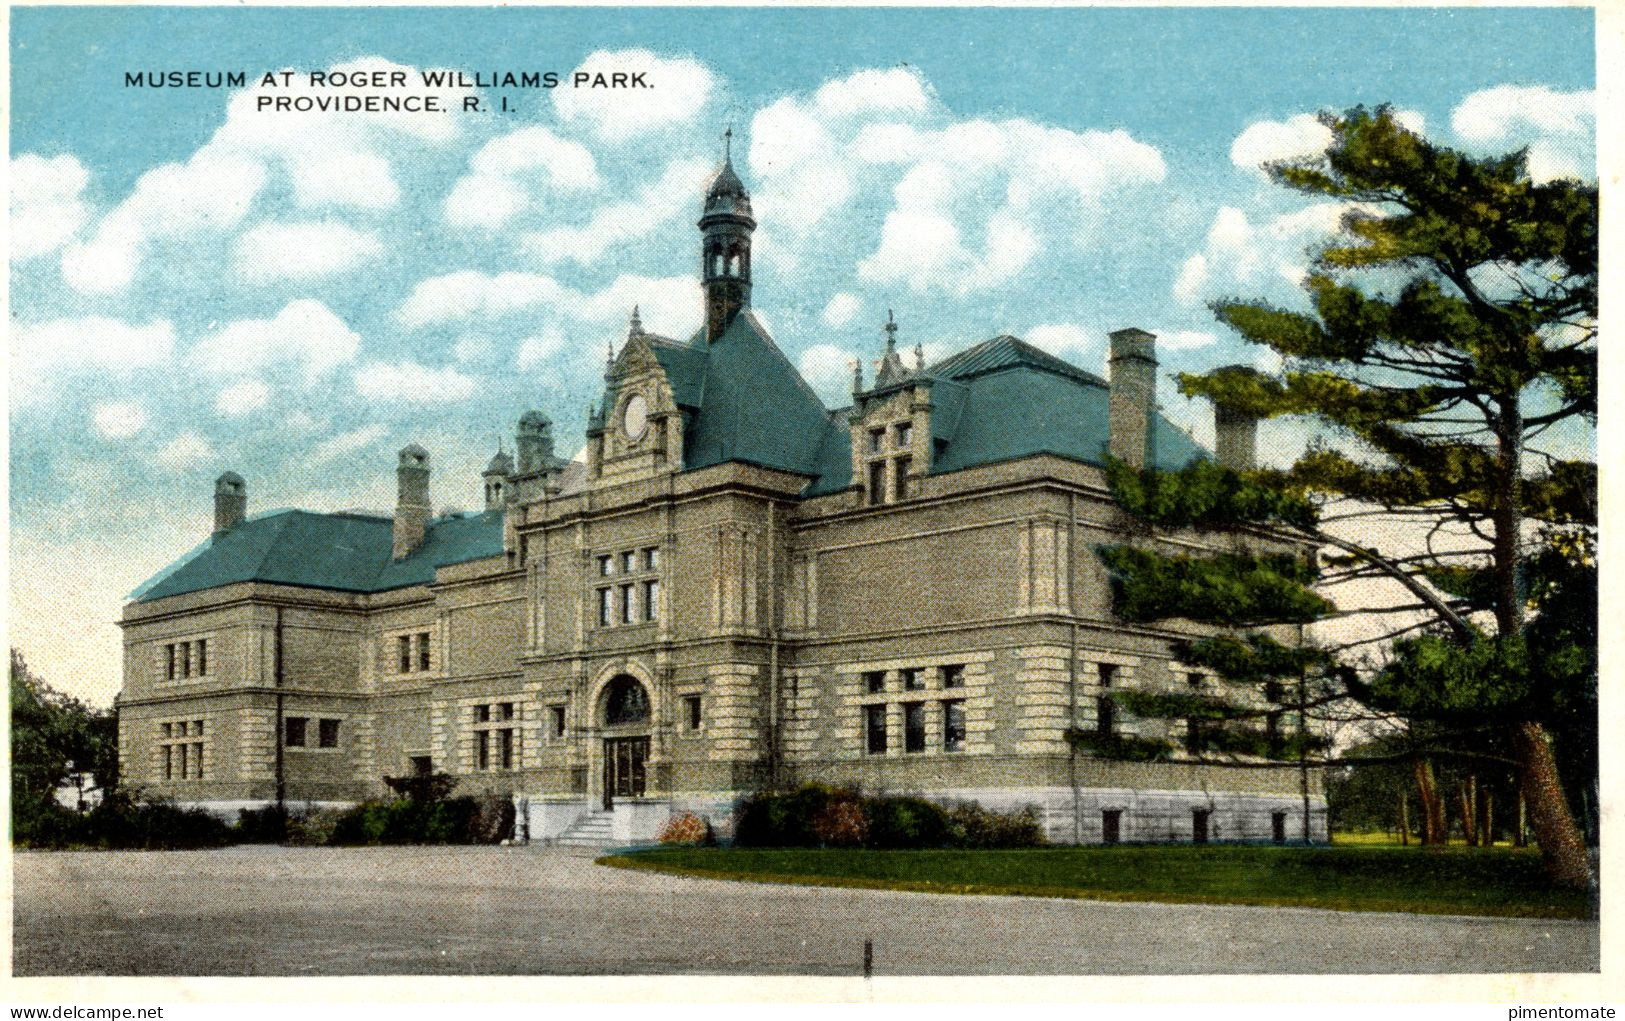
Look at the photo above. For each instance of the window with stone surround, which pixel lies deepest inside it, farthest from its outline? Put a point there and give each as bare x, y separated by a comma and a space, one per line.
636, 600
953, 725
556, 720
901, 467
877, 483
413, 653
180, 749
606, 603
913, 727
1105, 708
327, 733
874, 682
293, 731
913, 679
874, 728
495, 737
691, 712
953, 675
185, 660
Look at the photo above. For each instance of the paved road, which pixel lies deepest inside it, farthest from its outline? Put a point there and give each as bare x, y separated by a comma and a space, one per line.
489, 910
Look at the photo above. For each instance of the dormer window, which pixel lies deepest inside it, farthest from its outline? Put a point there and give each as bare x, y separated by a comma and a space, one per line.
905, 434
877, 440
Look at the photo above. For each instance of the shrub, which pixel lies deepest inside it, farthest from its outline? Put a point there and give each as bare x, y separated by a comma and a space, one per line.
120, 821
465, 820
422, 786
905, 822
841, 823
783, 820
268, 825
314, 827
687, 828
971, 825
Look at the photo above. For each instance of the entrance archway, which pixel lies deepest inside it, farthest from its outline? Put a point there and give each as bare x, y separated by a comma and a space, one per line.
624, 714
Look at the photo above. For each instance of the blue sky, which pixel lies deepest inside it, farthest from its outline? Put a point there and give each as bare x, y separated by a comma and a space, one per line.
195, 286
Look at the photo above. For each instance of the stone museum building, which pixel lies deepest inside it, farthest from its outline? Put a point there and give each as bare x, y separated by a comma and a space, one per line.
734, 588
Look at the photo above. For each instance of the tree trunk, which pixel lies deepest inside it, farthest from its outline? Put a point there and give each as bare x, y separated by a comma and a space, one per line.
1468, 790
1433, 825
1561, 846
1520, 836
1486, 820
1404, 819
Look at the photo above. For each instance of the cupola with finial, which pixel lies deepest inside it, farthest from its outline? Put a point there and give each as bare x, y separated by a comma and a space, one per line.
726, 227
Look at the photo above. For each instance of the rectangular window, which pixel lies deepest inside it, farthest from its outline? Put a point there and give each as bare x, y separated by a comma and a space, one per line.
294, 730
505, 711
913, 727
1194, 680
482, 714
557, 712
1111, 826
629, 562
877, 482
422, 765
913, 680
651, 600
1105, 715
197, 728
900, 481
169, 656
691, 711
423, 650
186, 660
606, 566
482, 743
197, 760
874, 725
629, 608
1193, 735
651, 559
953, 676
953, 725
169, 761
166, 729
202, 656
874, 682
327, 734
905, 434
1108, 674
605, 599
505, 741
404, 642
877, 440
180, 750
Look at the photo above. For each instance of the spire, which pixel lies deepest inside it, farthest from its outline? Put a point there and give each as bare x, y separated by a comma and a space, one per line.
891, 332
609, 360
636, 329
728, 144
857, 378
919, 358
891, 366
726, 225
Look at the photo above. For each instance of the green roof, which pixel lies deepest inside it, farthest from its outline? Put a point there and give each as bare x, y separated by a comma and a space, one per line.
342, 552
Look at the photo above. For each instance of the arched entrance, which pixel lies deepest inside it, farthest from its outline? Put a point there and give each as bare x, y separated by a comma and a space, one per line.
624, 715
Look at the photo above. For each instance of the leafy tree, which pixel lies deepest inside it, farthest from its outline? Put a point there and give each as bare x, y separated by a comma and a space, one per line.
50, 731
1453, 324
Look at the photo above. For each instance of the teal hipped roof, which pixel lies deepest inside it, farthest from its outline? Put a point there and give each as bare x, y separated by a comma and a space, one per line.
343, 552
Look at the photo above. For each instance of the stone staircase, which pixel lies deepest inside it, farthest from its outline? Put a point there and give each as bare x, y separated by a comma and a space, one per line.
595, 829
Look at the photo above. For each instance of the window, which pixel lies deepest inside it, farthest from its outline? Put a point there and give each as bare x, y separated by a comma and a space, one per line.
651, 599
422, 765
169, 763
874, 682
1278, 827
606, 566
874, 725
625, 702
557, 714
505, 743
423, 650
629, 562
1111, 826
181, 759
494, 736
482, 714
197, 728
1194, 680
1272, 691
913, 680
628, 605
1105, 708
905, 433
605, 599
293, 729
1193, 735
900, 480
197, 760
913, 727
404, 642
327, 734
877, 440
482, 744
202, 656
181, 750
877, 482
169, 670
691, 711
1200, 818
953, 725
953, 676
505, 711
651, 559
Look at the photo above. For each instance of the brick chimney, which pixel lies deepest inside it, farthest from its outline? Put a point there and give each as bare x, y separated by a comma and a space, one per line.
230, 502
1235, 432
412, 499
1132, 395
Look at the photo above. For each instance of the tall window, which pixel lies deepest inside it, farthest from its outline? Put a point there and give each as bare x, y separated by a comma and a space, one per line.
877, 482
953, 725
293, 729
202, 656
874, 726
556, 712
905, 434
169, 653
913, 727
900, 479
1105, 708
913, 680
327, 734
606, 601
423, 650
628, 607
495, 737
636, 599
404, 648
181, 750
651, 599
412, 653
691, 711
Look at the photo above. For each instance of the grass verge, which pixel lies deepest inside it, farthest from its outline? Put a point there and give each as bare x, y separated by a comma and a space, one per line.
1458, 881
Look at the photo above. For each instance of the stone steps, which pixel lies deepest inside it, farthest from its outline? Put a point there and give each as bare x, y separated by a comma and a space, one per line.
595, 829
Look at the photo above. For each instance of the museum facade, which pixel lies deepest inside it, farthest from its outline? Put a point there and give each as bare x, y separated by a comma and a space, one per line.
734, 588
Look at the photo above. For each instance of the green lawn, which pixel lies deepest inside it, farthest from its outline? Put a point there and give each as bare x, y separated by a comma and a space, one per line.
1471, 881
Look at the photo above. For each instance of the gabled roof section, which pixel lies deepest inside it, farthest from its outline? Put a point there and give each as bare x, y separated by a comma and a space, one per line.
755, 406
685, 370
340, 552
1004, 352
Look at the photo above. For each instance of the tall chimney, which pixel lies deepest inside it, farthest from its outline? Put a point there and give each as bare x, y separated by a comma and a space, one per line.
1132, 395
1235, 431
230, 502
412, 499
535, 441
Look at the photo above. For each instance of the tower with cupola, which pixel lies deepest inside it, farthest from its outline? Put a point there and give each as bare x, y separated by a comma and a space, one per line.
726, 227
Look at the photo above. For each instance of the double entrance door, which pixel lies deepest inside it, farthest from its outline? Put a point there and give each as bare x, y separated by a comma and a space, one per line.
625, 759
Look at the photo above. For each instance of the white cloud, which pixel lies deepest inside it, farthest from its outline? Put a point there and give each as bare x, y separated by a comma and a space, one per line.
411, 382
668, 303
75, 346
46, 204
1511, 112
305, 332
828, 370
516, 172
1067, 341
1241, 253
1267, 141
243, 398
678, 90
841, 310
185, 451
654, 206
118, 421
345, 444
295, 251
894, 90
539, 349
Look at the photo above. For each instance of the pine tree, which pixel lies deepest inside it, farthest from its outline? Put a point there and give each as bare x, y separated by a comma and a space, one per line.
1453, 323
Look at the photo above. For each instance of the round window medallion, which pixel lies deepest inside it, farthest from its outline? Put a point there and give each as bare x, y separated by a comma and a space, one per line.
635, 418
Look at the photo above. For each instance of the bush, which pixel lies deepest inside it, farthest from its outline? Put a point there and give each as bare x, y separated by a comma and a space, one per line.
841, 823
783, 820
120, 821
971, 825
422, 786
687, 828
268, 825
466, 820
314, 827
905, 822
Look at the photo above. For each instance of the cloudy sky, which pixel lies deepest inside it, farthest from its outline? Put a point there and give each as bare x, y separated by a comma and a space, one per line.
197, 286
